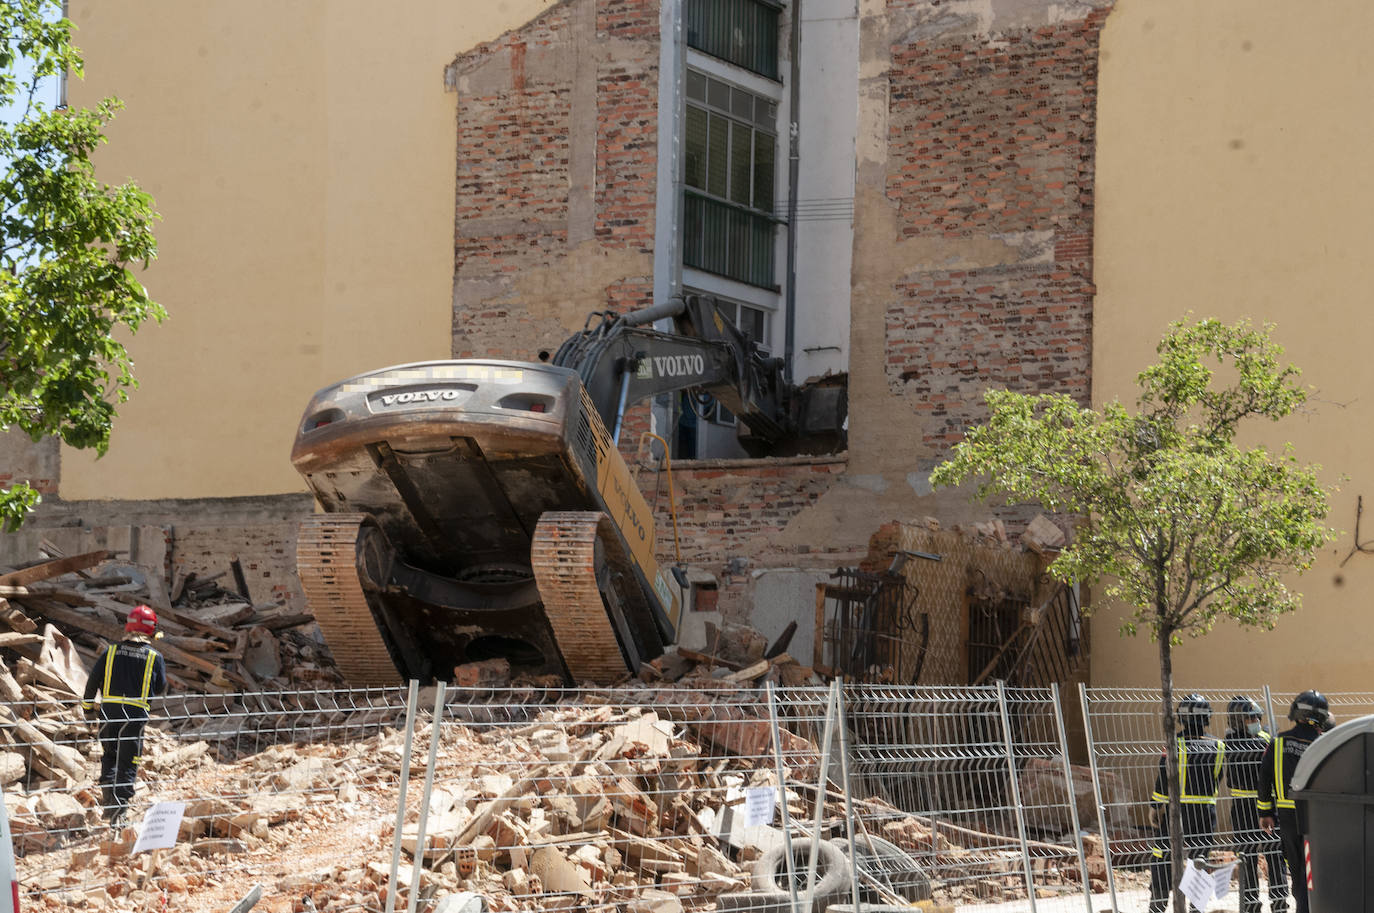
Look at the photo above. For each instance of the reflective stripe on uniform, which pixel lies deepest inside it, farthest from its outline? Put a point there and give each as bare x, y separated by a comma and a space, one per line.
109, 670
1245, 794
1186, 797
147, 675
1280, 788
141, 700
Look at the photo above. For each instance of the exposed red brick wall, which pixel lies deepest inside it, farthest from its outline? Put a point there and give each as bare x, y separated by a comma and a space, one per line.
736, 509
992, 137
627, 127
521, 133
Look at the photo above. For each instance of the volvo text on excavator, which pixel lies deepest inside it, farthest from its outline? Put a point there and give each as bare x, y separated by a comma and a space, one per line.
476, 508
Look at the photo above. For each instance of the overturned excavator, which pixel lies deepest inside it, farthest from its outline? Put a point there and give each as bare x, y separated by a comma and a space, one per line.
476, 509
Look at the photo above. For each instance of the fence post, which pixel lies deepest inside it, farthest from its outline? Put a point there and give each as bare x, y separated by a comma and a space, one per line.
1097, 792
782, 798
1073, 799
424, 800
848, 792
821, 788
412, 696
1016, 790
1269, 707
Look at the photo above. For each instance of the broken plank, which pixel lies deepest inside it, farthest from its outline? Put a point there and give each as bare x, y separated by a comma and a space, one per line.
113, 633
56, 568
749, 673
240, 582
16, 619
707, 659
64, 758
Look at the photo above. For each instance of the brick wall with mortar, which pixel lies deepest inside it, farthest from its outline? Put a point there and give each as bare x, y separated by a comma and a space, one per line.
557, 171
732, 516
992, 136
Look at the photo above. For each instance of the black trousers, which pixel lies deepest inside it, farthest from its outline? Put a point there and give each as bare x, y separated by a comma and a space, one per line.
1296, 854
1251, 843
121, 743
1199, 838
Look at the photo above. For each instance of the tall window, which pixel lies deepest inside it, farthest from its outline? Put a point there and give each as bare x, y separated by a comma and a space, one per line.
743, 32
731, 149
753, 323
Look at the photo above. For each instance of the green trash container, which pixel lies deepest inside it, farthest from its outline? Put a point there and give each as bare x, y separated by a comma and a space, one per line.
1333, 791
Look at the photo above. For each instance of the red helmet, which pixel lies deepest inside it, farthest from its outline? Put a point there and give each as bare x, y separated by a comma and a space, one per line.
142, 620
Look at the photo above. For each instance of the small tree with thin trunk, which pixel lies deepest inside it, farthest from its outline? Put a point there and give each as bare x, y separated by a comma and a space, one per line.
67, 244
1184, 524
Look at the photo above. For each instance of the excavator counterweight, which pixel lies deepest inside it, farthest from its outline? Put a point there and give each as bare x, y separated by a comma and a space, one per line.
477, 509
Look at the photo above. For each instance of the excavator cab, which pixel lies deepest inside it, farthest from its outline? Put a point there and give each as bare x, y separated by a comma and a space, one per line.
476, 509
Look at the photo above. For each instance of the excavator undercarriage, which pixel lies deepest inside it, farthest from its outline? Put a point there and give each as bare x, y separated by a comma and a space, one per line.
479, 509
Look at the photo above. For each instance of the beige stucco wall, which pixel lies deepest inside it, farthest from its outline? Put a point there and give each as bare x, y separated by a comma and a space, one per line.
1233, 179
302, 157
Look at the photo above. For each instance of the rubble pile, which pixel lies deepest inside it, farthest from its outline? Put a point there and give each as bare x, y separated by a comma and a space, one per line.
55, 615
567, 806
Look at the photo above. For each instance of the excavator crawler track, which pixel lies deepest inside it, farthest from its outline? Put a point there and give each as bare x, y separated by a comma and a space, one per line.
564, 556
327, 561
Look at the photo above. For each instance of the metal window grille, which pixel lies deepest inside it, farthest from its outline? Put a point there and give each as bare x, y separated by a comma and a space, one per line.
742, 32
727, 239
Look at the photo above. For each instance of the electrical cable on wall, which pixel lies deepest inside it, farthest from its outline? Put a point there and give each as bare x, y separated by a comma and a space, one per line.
1366, 547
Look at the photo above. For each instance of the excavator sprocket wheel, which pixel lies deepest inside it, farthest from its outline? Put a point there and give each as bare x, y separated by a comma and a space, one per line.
564, 557
327, 562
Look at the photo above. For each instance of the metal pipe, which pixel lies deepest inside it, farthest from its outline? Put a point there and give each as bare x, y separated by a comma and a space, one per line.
827, 737
1073, 802
849, 795
411, 698
672, 501
1097, 792
673, 307
793, 173
620, 406
1016, 790
782, 797
424, 800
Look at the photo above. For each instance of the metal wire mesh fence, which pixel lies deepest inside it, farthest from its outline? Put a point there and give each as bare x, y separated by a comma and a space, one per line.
648, 800
1126, 744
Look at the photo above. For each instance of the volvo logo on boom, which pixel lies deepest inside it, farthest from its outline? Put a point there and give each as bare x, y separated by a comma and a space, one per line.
678, 365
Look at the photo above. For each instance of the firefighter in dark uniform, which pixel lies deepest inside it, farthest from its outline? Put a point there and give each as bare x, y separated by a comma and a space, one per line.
126, 675
1312, 716
1200, 760
1246, 741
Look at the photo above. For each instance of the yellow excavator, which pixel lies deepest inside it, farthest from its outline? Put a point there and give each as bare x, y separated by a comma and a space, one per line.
476, 509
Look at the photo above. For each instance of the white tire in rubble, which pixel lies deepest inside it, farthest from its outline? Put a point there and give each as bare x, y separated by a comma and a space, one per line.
832, 884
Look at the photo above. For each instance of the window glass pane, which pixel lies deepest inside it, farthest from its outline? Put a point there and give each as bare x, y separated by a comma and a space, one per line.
718, 94
764, 148
696, 85
717, 159
695, 157
751, 322
742, 104
741, 151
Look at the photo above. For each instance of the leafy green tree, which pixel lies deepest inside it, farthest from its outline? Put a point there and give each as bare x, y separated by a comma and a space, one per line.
68, 241
1185, 524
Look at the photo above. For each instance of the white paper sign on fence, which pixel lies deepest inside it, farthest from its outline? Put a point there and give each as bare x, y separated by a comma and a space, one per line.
1221, 880
160, 826
1196, 885
758, 805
